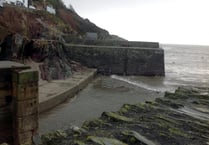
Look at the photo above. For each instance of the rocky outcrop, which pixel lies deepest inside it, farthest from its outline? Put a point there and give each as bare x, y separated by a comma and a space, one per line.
178, 118
51, 55
55, 63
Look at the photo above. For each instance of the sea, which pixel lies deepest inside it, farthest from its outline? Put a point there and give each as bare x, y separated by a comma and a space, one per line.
185, 65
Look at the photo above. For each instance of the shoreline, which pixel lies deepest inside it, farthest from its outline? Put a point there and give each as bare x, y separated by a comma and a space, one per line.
102, 94
173, 119
56, 92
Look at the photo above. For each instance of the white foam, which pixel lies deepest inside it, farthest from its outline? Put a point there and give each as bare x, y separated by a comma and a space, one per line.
141, 85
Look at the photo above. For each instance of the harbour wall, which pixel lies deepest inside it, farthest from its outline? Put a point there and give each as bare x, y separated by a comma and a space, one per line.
126, 60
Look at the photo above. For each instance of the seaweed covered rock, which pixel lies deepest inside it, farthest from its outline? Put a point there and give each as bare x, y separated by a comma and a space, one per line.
179, 118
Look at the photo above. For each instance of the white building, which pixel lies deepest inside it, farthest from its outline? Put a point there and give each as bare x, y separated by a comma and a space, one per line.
14, 2
50, 9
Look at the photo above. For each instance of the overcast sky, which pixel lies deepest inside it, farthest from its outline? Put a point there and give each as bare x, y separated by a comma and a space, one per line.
165, 21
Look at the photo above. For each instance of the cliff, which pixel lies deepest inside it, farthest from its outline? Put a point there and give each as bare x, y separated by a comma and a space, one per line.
39, 24
33, 36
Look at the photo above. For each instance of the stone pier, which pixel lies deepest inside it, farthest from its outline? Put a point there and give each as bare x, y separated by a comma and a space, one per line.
121, 60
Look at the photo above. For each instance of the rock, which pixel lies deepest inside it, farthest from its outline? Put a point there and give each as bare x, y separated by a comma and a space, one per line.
79, 143
139, 137
105, 141
55, 63
53, 138
117, 117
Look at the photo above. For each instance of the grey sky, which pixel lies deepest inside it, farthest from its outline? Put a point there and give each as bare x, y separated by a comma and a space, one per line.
166, 21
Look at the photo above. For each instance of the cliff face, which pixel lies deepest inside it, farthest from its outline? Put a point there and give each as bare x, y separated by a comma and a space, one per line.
80, 25
34, 36
39, 24
48, 57
29, 24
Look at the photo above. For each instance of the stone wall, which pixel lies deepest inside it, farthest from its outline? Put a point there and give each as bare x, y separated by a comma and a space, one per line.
119, 60
18, 105
75, 40
25, 92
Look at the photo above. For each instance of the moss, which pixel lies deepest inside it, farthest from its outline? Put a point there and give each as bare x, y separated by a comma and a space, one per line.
137, 136
176, 131
163, 134
79, 143
117, 117
153, 103
105, 141
95, 124
125, 108
54, 137
168, 102
149, 123
141, 105
165, 118
132, 139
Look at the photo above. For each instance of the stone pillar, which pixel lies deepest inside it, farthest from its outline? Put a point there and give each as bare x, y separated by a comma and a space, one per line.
25, 92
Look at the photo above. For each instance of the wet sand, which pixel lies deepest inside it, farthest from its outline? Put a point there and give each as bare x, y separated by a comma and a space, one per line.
103, 94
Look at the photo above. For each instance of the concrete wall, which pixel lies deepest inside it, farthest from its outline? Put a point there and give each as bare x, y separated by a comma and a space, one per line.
18, 106
119, 60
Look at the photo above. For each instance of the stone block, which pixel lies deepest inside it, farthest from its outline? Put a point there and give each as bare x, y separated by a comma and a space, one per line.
24, 138
25, 91
27, 107
27, 123
25, 76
